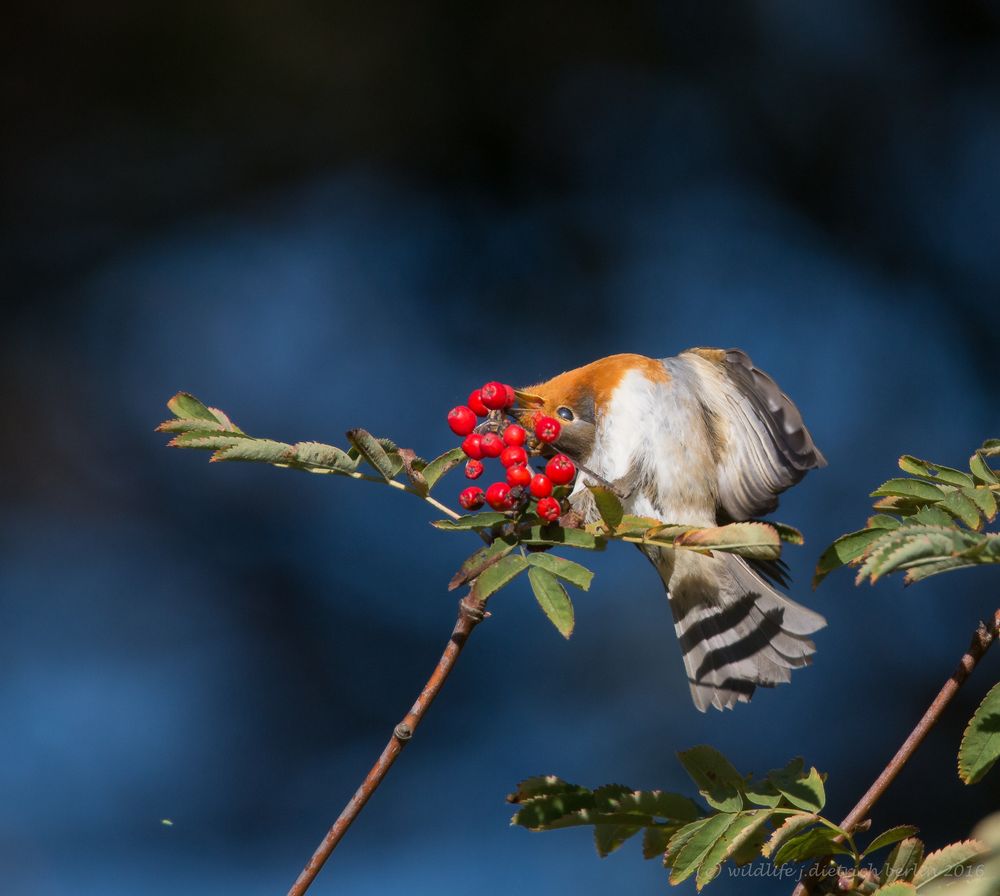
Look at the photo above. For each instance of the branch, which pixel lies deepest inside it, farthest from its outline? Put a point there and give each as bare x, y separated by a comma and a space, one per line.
983, 637
470, 613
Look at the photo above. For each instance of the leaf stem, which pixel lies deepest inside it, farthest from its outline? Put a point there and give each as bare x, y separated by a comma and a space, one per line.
470, 613
983, 637
392, 483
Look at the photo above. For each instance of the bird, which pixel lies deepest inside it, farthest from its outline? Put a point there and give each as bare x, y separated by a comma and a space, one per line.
704, 438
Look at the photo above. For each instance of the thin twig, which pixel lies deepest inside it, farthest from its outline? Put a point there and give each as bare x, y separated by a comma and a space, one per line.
470, 613
984, 636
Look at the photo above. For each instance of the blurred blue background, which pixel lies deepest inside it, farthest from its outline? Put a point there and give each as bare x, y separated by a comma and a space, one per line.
317, 216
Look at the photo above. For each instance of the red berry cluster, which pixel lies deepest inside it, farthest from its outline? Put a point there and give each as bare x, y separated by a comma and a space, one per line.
495, 437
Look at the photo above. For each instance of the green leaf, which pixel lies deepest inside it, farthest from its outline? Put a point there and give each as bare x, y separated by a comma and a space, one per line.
903, 861
373, 451
990, 448
762, 793
786, 533
212, 441
717, 780
689, 857
481, 560
727, 842
962, 508
655, 839
541, 813
635, 526
932, 516
926, 570
671, 806
984, 499
915, 489
916, 467
187, 407
608, 837
949, 860
980, 747
553, 599
609, 506
565, 569
792, 827
756, 540
747, 845
501, 573
257, 450
884, 521
803, 790
812, 844
844, 550
471, 521
889, 837
543, 785
441, 465
556, 535
982, 470
680, 838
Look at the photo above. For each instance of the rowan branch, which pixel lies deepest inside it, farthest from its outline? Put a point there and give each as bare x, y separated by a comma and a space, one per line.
984, 636
470, 613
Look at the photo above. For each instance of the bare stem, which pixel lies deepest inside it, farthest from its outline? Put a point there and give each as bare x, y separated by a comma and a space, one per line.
984, 636
392, 483
470, 613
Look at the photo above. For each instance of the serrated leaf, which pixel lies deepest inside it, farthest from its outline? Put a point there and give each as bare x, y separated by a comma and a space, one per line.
931, 516
211, 441
917, 467
903, 861
608, 837
655, 839
609, 506
914, 489
845, 549
501, 573
747, 845
543, 785
990, 448
635, 526
316, 454
962, 508
792, 826
481, 560
980, 747
803, 791
564, 569
187, 407
919, 546
553, 599
761, 793
441, 465
756, 540
724, 846
884, 521
889, 837
812, 844
786, 533
195, 424
556, 535
542, 812
471, 521
374, 452
681, 837
984, 499
671, 806
257, 450
982, 470
715, 777
947, 860
689, 857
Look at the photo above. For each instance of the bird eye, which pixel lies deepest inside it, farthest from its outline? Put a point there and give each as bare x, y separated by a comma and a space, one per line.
565, 413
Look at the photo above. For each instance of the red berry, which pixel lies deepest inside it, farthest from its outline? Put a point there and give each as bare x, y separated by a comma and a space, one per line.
511, 396
560, 469
474, 469
471, 498
461, 420
498, 496
473, 445
514, 435
518, 474
549, 509
541, 486
513, 454
491, 445
476, 403
494, 395
547, 429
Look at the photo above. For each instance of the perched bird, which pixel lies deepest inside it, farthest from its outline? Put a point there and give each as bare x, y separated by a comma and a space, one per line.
701, 439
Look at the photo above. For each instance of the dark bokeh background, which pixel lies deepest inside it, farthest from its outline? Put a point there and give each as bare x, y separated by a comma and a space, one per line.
321, 215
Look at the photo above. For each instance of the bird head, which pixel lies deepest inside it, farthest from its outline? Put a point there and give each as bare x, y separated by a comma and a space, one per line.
582, 400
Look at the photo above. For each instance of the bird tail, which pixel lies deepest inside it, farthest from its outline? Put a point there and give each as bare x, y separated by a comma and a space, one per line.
735, 630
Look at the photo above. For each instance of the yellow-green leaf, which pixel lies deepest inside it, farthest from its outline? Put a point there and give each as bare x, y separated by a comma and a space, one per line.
980, 747
553, 599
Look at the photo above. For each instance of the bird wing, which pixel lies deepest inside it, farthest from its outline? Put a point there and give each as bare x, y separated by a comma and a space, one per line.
762, 445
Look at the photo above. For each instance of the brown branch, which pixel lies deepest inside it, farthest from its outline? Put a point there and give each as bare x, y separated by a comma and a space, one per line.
470, 613
984, 636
